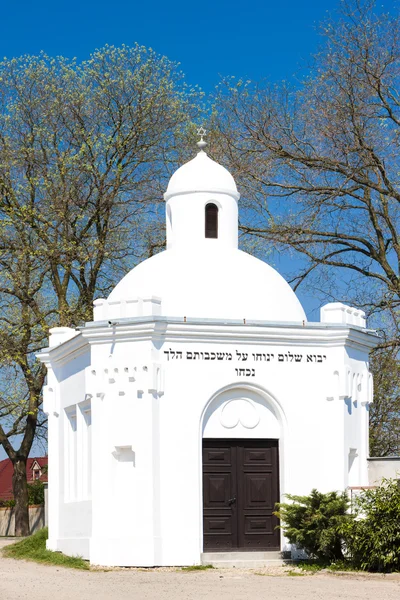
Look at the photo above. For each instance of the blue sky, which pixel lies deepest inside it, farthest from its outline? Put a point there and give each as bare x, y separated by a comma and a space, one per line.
254, 40
257, 39
209, 38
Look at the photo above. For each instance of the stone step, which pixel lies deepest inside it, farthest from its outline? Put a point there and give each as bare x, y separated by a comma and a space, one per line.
242, 560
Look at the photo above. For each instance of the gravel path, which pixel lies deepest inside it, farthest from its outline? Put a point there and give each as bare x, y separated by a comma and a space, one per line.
26, 580
4, 541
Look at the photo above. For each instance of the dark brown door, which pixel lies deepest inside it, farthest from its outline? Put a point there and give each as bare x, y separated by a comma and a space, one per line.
240, 489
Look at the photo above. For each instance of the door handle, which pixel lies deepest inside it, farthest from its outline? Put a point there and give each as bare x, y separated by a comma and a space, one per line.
232, 500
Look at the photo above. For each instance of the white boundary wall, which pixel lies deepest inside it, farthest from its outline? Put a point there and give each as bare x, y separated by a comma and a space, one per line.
7, 520
387, 467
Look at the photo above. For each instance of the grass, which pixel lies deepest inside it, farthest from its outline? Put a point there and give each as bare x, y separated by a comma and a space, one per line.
197, 568
296, 574
313, 566
342, 565
34, 548
291, 573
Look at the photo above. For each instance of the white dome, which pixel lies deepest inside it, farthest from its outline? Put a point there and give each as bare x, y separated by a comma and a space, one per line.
201, 174
199, 275
223, 284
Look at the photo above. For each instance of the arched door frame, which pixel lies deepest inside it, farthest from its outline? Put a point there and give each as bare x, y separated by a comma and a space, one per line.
272, 403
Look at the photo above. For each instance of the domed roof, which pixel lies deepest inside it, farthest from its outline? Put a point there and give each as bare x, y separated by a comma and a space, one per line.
201, 174
203, 276
228, 284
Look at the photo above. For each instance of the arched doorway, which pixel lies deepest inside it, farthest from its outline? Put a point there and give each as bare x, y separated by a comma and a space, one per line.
241, 434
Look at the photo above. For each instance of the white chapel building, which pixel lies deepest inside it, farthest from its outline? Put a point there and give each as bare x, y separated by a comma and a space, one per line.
199, 396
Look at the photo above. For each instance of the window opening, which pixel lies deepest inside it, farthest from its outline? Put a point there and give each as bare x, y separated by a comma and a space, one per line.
211, 221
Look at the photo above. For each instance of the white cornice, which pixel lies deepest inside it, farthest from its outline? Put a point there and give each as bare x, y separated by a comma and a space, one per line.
230, 332
64, 352
175, 330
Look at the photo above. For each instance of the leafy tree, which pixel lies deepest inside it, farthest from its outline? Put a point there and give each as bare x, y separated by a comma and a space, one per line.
320, 167
314, 523
84, 152
385, 410
321, 164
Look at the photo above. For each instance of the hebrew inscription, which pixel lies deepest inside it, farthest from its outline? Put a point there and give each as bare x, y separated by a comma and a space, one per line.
285, 357
244, 358
245, 372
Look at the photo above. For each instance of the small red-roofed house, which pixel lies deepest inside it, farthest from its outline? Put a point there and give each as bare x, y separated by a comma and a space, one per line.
36, 469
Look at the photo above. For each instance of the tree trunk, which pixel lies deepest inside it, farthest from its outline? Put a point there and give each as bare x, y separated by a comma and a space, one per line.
20, 490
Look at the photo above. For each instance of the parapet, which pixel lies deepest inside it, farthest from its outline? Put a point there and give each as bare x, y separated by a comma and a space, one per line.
118, 309
336, 312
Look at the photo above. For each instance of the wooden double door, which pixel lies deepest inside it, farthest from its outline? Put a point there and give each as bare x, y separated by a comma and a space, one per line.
240, 489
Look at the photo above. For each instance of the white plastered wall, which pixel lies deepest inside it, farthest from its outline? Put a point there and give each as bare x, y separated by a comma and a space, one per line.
69, 509
311, 433
186, 221
356, 407
151, 406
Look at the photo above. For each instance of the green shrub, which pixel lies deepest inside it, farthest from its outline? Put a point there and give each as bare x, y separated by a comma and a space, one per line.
315, 523
372, 538
7, 503
36, 492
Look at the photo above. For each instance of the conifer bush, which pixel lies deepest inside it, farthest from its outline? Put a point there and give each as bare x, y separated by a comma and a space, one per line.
315, 523
366, 538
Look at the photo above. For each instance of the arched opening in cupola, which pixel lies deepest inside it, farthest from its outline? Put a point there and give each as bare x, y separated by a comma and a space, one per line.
211, 221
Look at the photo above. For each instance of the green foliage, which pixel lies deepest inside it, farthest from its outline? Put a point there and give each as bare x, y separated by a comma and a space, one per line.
342, 565
36, 492
34, 548
314, 523
311, 566
367, 539
373, 537
384, 417
7, 503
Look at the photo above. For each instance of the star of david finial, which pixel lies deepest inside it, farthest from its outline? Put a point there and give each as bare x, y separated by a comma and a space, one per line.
201, 143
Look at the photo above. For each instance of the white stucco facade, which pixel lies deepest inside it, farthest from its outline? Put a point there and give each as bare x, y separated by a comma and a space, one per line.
201, 342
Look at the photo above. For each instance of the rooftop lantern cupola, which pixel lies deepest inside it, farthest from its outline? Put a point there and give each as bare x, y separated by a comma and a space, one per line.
202, 204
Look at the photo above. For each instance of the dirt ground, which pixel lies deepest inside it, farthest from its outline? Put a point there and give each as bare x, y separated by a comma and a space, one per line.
27, 580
